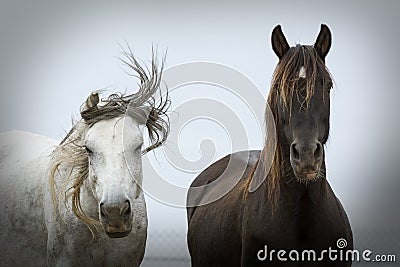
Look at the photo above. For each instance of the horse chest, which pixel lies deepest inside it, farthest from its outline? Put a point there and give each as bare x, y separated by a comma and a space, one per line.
301, 225
304, 221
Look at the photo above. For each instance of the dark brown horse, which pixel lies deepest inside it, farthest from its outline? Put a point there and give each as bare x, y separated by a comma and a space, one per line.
293, 218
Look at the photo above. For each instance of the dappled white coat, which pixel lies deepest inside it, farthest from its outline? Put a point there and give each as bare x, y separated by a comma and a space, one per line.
32, 235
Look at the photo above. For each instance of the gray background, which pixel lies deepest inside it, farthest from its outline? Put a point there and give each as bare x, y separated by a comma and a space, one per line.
52, 55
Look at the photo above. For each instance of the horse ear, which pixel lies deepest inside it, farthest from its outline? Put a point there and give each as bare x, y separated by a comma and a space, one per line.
324, 41
91, 102
279, 43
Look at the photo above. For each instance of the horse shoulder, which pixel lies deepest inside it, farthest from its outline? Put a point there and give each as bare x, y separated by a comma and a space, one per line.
343, 217
215, 171
220, 218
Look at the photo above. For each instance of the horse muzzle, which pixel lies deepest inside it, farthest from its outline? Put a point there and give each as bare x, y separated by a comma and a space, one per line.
306, 159
116, 218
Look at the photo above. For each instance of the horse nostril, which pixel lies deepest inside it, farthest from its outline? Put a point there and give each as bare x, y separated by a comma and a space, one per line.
318, 151
294, 153
126, 208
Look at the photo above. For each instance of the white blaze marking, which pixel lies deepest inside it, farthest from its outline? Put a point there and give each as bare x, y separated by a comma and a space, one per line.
302, 72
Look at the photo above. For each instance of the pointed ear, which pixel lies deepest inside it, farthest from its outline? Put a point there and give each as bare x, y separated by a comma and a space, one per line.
279, 43
324, 41
91, 102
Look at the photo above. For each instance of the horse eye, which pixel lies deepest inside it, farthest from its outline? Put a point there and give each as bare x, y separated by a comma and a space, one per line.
138, 148
88, 151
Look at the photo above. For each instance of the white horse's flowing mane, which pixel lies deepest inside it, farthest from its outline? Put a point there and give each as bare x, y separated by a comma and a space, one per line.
71, 156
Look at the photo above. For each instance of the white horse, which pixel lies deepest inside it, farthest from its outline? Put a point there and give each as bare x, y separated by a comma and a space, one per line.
80, 203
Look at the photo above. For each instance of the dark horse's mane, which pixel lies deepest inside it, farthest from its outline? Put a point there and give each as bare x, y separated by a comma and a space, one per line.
285, 80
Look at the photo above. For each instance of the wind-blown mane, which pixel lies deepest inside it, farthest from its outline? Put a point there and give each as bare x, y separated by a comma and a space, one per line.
282, 92
71, 157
